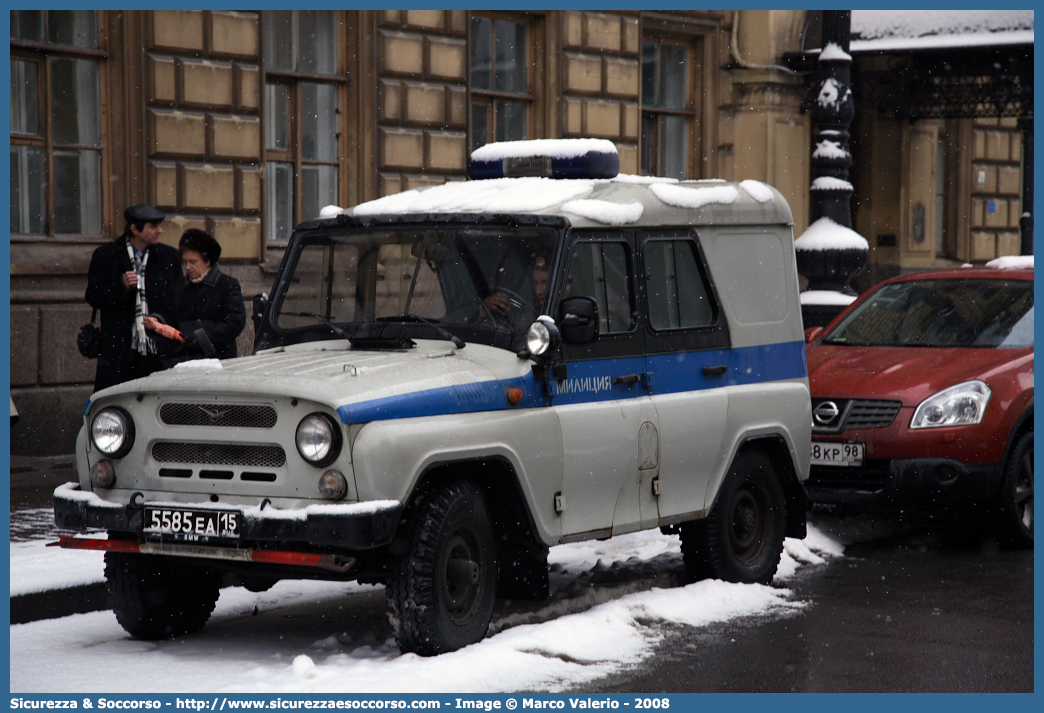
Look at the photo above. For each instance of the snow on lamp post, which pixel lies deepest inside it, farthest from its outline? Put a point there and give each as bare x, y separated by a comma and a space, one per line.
830, 253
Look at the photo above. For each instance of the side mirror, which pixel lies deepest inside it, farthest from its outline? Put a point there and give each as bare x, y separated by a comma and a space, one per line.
578, 319
812, 334
260, 303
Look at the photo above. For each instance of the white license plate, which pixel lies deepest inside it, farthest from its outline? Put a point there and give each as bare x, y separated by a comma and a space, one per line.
195, 523
838, 453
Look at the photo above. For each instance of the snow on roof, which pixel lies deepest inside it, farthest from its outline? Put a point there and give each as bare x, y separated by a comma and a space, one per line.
757, 190
605, 211
685, 197
825, 234
1012, 262
879, 30
555, 148
497, 195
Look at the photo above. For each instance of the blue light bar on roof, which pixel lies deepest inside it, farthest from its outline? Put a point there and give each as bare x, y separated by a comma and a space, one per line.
591, 164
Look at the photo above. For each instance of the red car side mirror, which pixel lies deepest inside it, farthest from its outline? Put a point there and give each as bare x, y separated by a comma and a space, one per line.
812, 334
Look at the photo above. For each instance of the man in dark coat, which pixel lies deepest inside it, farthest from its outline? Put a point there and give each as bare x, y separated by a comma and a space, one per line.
209, 310
130, 279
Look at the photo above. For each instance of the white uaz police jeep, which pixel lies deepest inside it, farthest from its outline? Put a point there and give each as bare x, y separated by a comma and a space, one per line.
448, 381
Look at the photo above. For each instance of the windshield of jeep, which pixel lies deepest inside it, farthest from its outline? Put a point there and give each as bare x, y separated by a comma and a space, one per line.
480, 283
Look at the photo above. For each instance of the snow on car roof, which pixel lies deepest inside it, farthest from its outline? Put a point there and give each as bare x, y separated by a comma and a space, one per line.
624, 200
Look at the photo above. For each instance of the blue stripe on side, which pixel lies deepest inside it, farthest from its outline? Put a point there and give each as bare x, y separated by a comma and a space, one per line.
592, 381
462, 398
675, 373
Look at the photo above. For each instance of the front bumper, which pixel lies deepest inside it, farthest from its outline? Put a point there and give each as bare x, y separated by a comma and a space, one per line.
927, 483
356, 526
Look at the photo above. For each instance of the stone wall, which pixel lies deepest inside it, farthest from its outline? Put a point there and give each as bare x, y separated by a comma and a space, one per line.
996, 189
203, 125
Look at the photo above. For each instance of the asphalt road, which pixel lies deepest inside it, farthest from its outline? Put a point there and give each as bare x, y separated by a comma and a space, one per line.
911, 612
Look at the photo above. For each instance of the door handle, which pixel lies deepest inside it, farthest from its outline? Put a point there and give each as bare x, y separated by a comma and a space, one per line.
630, 379
715, 370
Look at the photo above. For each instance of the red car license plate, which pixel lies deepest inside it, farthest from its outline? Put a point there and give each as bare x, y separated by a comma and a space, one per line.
840, 454
198, 523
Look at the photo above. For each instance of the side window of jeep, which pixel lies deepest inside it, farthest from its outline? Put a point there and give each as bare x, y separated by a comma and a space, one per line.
602, 270
677, 292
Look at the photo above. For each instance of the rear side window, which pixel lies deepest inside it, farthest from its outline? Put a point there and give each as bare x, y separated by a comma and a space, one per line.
678, 294
602, 270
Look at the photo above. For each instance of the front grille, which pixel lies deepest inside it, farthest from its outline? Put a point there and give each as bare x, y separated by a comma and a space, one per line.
218, 415
871, 414
852, 415
872, 476
254, 456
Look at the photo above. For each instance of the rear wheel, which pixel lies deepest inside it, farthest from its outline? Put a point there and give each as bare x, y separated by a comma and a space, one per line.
1015, 502
159, 598
742, 538
441, 590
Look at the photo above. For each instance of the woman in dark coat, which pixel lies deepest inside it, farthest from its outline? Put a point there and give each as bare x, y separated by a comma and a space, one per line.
208, 304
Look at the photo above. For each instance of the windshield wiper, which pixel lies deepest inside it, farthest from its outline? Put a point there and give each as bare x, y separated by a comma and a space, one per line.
442, 331
338, 329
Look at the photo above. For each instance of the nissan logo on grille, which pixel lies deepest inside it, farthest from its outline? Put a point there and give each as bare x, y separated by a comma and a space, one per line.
826, 412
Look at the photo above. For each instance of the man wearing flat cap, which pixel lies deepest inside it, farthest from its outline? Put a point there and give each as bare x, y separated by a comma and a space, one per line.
129, 279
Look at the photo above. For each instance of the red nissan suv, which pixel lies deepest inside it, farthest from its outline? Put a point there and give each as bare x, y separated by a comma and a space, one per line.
922, 397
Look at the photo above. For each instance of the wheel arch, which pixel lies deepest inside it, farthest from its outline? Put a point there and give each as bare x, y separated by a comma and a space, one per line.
775, 447
497, 478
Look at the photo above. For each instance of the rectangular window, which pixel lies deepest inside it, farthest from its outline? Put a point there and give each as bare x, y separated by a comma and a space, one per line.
57, 137
501, 96
303, 95
677, 293
667, 108
602, 270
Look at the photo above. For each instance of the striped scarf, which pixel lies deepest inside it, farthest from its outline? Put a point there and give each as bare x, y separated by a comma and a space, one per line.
140, 341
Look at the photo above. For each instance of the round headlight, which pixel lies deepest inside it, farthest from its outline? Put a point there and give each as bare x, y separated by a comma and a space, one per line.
332, 485
542, 337
113, 432
318, 439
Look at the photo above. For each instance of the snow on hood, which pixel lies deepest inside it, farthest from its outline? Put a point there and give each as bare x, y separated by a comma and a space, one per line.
328, 372
907, 374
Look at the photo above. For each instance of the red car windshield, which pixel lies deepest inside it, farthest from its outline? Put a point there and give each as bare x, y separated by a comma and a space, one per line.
942, 313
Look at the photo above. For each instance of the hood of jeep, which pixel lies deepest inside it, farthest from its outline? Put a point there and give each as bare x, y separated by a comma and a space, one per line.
434, 377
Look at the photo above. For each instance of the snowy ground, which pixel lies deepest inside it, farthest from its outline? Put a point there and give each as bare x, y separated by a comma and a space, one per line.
609, 602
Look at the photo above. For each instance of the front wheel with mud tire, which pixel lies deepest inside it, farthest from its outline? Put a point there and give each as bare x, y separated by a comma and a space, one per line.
441, 589
742, 538
157, 597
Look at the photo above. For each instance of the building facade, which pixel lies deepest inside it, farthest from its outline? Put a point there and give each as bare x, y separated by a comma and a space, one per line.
247, 123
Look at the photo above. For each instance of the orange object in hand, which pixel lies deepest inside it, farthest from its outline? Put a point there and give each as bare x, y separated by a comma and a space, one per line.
169, 332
